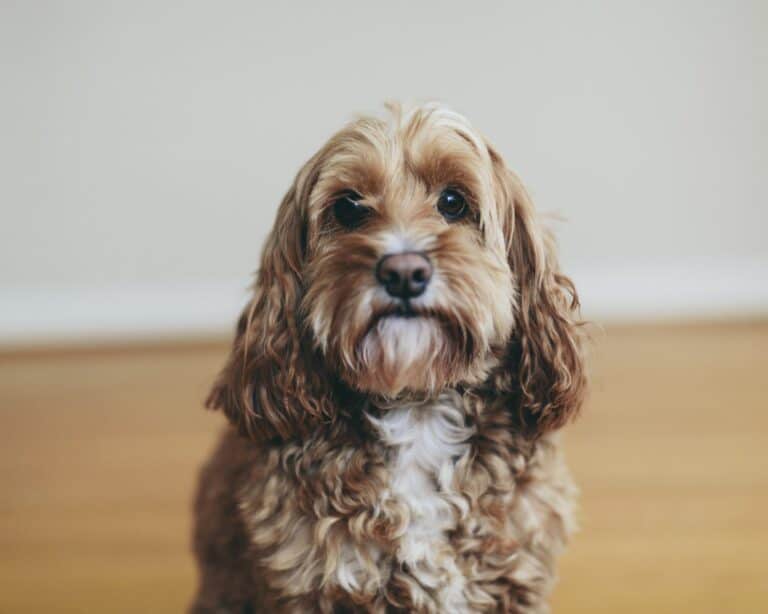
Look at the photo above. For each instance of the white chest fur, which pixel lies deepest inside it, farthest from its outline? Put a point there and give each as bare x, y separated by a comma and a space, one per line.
426, 441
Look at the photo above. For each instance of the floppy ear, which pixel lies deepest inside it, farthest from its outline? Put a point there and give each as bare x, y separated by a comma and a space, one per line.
544, 360
273, 385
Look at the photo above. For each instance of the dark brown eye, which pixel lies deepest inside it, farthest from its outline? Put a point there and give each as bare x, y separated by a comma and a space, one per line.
452, 205
348, 210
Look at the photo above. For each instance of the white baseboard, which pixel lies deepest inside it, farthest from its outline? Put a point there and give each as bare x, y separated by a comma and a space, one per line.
609, 293
695, 291
119, 312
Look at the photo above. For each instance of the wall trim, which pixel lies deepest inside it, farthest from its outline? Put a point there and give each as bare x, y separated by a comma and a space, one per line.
119, 312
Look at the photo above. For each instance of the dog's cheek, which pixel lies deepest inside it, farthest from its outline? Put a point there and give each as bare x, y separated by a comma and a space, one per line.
476, 289
499, 308
338, 312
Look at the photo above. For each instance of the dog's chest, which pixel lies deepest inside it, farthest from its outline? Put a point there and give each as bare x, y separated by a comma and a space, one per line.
425, 443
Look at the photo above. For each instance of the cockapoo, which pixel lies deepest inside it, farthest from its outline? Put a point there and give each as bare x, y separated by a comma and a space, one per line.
394, 389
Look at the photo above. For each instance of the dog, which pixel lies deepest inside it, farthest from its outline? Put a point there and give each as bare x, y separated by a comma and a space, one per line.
395, 388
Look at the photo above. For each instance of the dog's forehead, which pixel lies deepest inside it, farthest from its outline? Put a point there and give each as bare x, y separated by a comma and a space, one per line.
430, 146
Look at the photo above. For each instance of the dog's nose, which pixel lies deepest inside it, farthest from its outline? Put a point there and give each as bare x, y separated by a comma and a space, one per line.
404, 275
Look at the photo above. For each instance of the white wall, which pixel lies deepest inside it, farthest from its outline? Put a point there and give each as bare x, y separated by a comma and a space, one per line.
144, 146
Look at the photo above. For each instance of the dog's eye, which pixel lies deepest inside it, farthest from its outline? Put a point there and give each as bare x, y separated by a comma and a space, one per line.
349, 212
452, 205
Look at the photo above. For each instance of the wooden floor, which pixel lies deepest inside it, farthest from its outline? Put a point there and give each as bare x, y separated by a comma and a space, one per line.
99, 449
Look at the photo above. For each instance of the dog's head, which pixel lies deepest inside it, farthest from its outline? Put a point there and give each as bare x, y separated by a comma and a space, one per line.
405, 259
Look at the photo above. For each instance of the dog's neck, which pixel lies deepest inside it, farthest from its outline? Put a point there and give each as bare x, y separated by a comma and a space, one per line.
377, 404
432, 430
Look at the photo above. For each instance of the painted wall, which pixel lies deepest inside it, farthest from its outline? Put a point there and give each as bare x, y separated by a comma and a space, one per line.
145, 145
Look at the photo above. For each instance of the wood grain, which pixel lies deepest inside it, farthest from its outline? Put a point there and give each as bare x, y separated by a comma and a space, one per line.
99, 450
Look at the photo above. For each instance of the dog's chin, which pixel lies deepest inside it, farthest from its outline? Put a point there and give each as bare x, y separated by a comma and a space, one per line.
406, 353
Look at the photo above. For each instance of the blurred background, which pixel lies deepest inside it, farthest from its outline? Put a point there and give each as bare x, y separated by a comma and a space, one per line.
145, 147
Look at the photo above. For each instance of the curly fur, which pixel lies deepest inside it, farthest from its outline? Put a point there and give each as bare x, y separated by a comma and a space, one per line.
383, 464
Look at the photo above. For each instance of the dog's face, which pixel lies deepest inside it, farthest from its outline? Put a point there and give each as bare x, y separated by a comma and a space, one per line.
405, 259
408, 284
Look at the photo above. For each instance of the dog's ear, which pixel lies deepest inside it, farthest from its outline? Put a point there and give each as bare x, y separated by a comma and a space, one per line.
543, 366
273, 386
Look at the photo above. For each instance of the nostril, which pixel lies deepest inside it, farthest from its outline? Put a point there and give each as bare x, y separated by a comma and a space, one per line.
392, 277
418, 276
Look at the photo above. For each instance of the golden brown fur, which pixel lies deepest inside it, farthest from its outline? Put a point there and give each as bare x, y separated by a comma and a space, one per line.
302, 507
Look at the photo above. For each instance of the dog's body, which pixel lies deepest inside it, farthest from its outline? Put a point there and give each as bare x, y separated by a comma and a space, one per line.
395, 447
414, 517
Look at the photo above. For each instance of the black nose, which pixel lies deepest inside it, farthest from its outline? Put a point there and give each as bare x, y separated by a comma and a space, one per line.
404, 275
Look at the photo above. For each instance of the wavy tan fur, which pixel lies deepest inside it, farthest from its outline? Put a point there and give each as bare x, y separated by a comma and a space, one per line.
381, 464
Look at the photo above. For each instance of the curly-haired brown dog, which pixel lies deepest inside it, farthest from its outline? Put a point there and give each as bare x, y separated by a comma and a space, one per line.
395, 386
